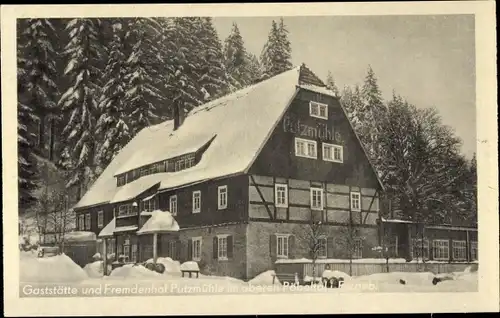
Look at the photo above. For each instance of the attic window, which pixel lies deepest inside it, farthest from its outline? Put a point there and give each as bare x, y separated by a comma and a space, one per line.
184, 162
121, 180
318, 110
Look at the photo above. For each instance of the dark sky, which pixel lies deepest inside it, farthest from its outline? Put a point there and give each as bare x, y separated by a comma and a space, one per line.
430, 59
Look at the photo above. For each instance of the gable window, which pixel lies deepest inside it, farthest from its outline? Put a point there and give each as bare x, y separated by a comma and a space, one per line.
196, 248
149, 205
355, 201
87, 221
222, 247
281, 194
196, 201
282, 245
316, 198
100, 219
332, 153
318, 110
357, 251
441, 250
419, 250
173, 204
305, 148
459, 250
473, 250
222, 194
322, 249
81, 222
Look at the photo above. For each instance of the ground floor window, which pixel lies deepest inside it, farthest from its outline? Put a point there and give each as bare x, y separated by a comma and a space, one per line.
473, 250
134, 253
222, 247
81, 222
282, 248
419, 250
322, 247
172, 249
441, 250
357, 248
459, 250
196, 248
110, 247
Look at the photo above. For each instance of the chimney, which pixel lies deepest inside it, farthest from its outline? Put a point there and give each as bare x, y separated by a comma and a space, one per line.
178, 116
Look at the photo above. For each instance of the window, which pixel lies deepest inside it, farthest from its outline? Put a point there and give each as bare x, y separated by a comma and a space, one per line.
111, 246
87, 221
100, 219
332, 153
222, 247
305, 148
173, 204
153, 169
125, 210
357, 251
322, 247
281, 194
441, 250
196, 201
190, 162
473, 250
316, 198
144, 171
459, 250
134, 253
222, 194
196, 246
355, 201
121, 180
180, 165
162, 167
419, 250
318, 110
81, 222
149, 205
282, 248
126, 250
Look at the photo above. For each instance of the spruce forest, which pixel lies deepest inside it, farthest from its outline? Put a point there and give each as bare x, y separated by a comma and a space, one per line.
87, 86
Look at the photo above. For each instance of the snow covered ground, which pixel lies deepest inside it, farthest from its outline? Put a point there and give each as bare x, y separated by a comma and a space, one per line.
59, 276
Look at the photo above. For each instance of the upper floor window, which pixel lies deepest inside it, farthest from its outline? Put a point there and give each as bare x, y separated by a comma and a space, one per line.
125, 210
153, 169
318, 110
305, 148
87, 221
281, 194
355, 201
144, 171
332, 153
173, 204
100, 219
81, 222
196, 201
316, 198
149, 205
122, 179
184, 163
222, 195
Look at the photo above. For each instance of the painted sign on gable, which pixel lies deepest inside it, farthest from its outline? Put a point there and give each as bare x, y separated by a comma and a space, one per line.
324, 132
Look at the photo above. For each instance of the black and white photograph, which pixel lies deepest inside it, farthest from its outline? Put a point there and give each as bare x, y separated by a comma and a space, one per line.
213, 154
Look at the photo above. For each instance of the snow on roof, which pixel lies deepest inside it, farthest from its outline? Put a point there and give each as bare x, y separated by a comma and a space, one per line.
136, 187
241, 123
109, 229
396, 221
77, 236
160, 221
318, 89
125, 228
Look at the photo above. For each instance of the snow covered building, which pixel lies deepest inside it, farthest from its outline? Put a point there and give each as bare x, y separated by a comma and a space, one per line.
244, 176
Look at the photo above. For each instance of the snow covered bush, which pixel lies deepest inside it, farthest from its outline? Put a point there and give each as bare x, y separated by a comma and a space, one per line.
97, 257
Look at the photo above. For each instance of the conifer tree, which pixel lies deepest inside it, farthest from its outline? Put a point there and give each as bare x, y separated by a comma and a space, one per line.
353, 104
84, 53
254, 68
330, 84
236, 60
276, 54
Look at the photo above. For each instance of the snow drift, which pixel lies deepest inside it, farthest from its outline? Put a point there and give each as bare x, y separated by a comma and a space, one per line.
56, 269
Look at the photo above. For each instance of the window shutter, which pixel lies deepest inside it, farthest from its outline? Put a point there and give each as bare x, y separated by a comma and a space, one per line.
190, 250
216, 248
178, 250
291, 246
272, 247
230, 246
330, 242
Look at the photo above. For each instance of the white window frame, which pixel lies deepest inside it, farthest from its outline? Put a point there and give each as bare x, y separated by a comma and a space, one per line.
284, 251
332, 148
129, 210
196, 207
100, 219
473, 247
81, 222
222, 252
222, 195
312, 194
149, 205
416, 243
460, 245
88, 220
353, 196
281, 188
357, 248
196, 254
306, 143
325, 249
319, 107
172, 203
439, 244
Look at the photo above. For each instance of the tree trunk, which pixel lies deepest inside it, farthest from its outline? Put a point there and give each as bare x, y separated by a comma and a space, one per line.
313, 270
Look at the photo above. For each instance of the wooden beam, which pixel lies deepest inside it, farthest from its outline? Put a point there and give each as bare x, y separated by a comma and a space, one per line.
262, 197
370, 207
155, 247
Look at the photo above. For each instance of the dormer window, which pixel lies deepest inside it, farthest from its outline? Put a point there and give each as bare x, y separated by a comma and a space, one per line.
318, 110
121, 180
184, 162
144, 171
